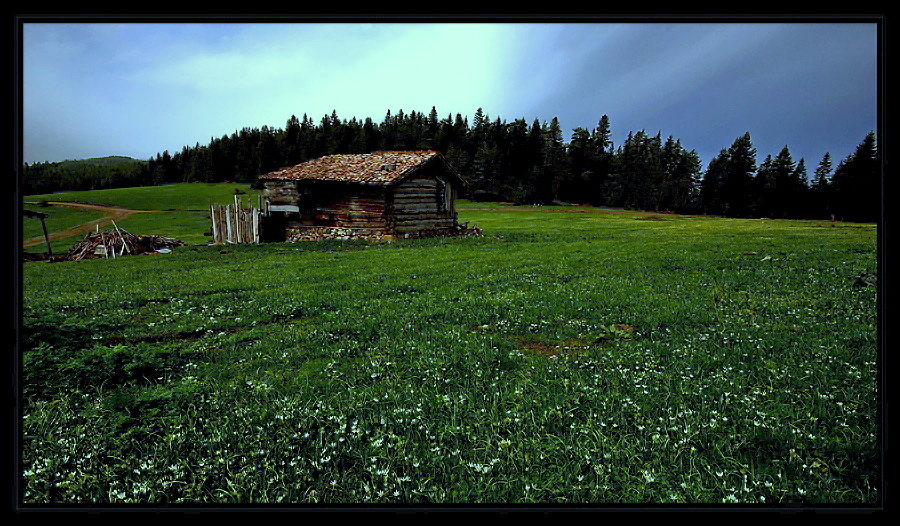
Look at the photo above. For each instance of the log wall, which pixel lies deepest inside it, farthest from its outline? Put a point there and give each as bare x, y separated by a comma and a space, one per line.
423, 206
281, 195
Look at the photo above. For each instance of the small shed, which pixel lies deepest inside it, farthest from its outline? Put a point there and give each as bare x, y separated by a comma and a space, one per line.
374, 195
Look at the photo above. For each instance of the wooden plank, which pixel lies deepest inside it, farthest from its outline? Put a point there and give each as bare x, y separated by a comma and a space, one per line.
281, 199
326, 216
419, 212
212, 216
283, 208
406, 225
255, 219
420, 217
412, 227
377, 209
415, 188
416, 205
220, 219
228, 224
418, 183
416, 199
415, 191
414, 195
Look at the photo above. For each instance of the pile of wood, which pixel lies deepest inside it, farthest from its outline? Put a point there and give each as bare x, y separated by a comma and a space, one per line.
117, 243
465, 230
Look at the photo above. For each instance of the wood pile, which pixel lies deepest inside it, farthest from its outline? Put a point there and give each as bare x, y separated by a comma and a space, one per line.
117, 243
465, 230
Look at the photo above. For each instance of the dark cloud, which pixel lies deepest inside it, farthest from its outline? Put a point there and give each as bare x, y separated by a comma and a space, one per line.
809, 86
91, 88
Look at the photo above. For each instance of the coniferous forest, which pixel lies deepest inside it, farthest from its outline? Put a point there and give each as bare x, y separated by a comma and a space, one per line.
522, 163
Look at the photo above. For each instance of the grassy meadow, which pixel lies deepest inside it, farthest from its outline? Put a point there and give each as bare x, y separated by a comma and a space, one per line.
569, 355
175, 210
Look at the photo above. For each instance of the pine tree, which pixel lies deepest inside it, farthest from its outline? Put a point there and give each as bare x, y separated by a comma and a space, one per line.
686, 179
820, 188
577, 188
266, 154
784, 192
736, 183
800, 206
764, 189
554, 162
290, 145
600, 160
822, 175
711, 187
857, 183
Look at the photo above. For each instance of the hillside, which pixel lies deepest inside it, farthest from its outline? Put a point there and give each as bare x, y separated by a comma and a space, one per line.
113, 171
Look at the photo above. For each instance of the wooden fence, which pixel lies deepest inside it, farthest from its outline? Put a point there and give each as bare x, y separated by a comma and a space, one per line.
234, 223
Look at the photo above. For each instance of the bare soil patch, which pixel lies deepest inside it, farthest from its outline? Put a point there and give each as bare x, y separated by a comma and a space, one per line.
113, 214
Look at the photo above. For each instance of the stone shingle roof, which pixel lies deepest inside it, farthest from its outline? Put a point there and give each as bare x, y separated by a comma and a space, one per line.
378, 168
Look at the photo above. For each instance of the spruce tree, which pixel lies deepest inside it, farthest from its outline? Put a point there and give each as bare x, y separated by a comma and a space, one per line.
711, 186
857, 183
820, 188
579, 159
800, 206
784, 192
736, 183
601, 159
822, 175
554, 162
290, 144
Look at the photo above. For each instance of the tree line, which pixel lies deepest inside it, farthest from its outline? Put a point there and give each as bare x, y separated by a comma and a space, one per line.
734, 185
84, 174
524, 164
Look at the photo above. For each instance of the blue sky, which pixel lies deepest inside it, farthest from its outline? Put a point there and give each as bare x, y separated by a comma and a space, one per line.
136, 89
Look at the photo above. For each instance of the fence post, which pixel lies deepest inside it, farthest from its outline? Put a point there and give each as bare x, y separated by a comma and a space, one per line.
212, 217
228, 223
233, 224
255, 214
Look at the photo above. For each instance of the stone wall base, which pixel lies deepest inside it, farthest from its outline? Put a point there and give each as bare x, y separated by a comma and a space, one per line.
317, 233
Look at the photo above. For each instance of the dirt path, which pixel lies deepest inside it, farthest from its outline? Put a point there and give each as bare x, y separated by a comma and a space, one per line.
113, 214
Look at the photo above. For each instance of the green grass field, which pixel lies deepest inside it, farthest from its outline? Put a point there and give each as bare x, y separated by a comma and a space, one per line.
182, 211
181, 196
563, 357
58, 218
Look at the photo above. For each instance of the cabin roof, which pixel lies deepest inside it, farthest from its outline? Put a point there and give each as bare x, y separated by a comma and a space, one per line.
377, 168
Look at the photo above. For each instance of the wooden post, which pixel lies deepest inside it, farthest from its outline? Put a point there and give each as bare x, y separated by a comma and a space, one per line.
46, 238
124, 245
228, 223
212, 217
255, 212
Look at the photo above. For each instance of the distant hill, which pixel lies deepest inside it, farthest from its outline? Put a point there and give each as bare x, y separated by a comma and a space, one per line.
110, 160
113, 171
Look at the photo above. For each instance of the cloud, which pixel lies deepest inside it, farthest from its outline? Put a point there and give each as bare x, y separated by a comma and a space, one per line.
163, 86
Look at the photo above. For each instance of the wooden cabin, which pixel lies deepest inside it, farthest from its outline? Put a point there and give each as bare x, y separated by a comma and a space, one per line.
378, 195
